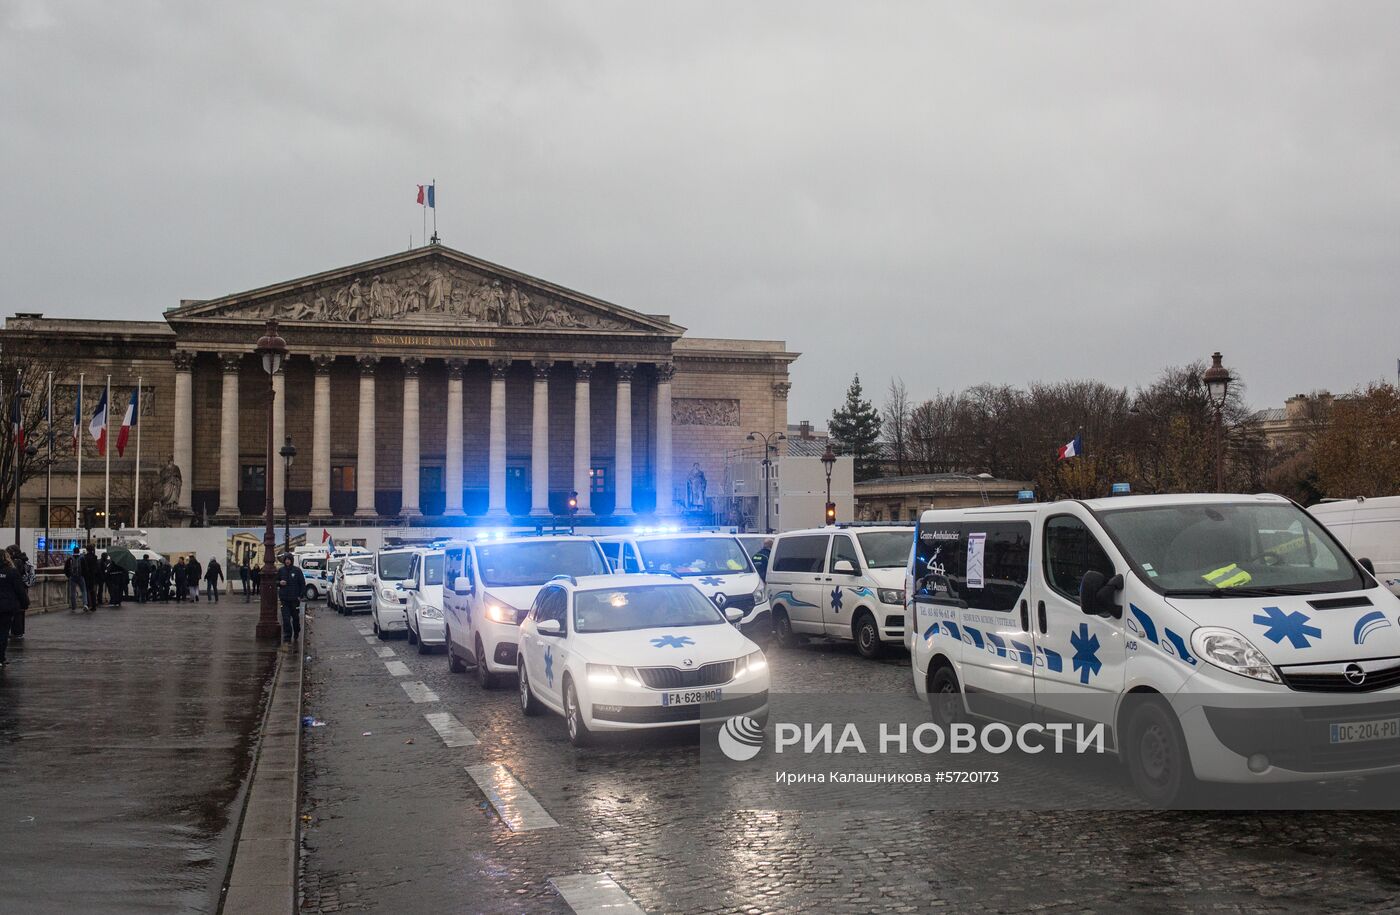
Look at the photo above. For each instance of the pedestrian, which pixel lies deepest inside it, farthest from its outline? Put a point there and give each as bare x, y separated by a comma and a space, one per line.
213, 575
116, 583
26, 572
92, 577
77, 590
160, 580
245, 574
142, 579
291, 585
760, 559
14, 599
182, 576
192, 577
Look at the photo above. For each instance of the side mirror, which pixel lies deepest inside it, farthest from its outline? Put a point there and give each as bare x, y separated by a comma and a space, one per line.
733, 614
1097, 594
1368, 565
462, 584
844, 567
549, 627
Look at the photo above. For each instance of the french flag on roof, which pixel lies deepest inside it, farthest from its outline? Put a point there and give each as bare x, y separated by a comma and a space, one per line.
1074, 448
98, 427
129, 420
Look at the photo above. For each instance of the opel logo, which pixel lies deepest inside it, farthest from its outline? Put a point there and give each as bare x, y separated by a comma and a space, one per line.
690, 662
1355, 674
720, 600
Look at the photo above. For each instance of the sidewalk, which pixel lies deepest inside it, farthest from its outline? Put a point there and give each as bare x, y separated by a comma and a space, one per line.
126, 741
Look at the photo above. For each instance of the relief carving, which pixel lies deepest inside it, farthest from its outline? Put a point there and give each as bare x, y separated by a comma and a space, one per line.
404, 294
704, 411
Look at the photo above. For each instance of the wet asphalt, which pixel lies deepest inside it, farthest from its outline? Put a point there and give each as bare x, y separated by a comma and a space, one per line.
125, 743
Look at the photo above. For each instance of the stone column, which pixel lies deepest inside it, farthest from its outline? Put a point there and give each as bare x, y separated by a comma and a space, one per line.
623, 448
277, 472
496, 496
583, 436
453, 483
665, 503
409, 483
228, 438
321, 439
364, 452
539, 442
183, 455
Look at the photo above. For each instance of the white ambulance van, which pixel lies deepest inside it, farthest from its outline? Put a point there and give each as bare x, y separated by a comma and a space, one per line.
1368, 528
1223, 638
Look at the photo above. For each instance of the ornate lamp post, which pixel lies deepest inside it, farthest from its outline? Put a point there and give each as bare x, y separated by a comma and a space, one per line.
289, 453
769, 446
828, 463
273, 350
1217, 379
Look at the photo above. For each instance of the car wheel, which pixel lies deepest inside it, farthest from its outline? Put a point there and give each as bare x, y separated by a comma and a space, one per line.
383, 636
1155, 749
782, 630
868, 637
529, 705
579, 735
409, 634
454, 663
312, 594
945, 698
423, 649
483, 673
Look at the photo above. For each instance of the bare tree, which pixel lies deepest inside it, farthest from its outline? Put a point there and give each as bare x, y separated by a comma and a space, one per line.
895, 427
22, 371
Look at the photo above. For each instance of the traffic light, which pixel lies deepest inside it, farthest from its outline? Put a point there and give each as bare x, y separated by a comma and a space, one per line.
830, 513
573, 502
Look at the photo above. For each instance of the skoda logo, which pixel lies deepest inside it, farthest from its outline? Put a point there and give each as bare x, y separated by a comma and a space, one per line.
720, 600
690, 662
1355, 674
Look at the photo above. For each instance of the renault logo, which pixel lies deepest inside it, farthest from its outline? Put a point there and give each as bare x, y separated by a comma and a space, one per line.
720, 600
1355, 674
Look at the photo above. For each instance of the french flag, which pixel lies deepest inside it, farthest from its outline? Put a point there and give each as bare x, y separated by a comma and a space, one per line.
17, 426
425, 196
1072, 449
97, 428
327, 540
129, 420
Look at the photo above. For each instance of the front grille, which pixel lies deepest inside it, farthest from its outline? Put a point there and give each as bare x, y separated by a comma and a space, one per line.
742, 602
1304, 681
667, 714
714, 674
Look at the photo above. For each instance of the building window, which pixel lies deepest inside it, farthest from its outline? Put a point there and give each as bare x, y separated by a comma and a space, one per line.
343, 478
430, 479
254, 478
598, 479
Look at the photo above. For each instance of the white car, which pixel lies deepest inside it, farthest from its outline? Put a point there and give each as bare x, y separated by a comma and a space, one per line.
715, 563
424, 612
388, 602
316, 570
351, 589
636, 652
490, 584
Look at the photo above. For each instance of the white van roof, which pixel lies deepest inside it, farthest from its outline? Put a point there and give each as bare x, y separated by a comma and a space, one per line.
849, 529
1108, 504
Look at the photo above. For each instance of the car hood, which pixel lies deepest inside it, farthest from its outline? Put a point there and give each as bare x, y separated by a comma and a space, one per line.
356, 581
665, 647
521, 597
1301, 629
887, 578
732, 585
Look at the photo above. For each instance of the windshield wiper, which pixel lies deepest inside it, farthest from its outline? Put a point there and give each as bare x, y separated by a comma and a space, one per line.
1278, 591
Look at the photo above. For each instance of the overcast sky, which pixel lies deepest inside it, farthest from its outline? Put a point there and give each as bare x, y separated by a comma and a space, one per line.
952, 192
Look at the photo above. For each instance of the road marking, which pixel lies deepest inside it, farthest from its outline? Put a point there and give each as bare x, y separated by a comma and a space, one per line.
453, 732
418, 691
398, 669
371, 640
594, 894
364, 630
516, 807
384, 651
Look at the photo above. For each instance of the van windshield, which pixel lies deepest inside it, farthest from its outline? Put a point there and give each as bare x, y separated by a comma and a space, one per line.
395, 566
695, 556
1225, 550
886, 549
509, 565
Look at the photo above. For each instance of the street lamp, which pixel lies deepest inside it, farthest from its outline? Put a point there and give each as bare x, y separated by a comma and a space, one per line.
272, 349
770, 441
829, 462
1217, 379
288, 452
17, 404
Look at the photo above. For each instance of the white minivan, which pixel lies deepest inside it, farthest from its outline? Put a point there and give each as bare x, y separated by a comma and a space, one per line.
842, 582
1223, 638
1368, 528
390, 567
714, 562
423, 612
490, 584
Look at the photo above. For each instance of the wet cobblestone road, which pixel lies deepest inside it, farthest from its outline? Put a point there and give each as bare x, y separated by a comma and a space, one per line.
396, 823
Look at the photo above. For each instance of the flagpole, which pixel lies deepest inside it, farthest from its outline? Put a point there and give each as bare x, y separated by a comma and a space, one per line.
78, 447
48, 478
107, 448
433, 198
136, 421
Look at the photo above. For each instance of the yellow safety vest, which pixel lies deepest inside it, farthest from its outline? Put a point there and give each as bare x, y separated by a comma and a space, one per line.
1230, 576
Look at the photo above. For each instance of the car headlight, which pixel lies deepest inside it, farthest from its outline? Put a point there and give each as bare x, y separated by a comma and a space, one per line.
390, 596
608, 675
758, 596
501, 613
1228, 650
892, 596
751, 663
431, 613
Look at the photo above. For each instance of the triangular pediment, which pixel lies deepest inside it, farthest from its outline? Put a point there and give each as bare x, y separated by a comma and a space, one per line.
430, 287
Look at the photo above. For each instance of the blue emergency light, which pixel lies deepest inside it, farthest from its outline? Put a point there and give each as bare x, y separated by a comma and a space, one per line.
1026, 495
1122, 489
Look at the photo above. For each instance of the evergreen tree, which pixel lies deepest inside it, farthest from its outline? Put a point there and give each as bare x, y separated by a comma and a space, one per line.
855, 430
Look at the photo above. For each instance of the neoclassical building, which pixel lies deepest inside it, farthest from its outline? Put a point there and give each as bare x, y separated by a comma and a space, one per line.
421, 387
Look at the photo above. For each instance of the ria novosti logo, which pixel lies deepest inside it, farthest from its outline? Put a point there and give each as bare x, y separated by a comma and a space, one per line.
741, 738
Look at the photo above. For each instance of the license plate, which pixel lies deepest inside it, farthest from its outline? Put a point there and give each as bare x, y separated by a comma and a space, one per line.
691, 697
1356, 731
